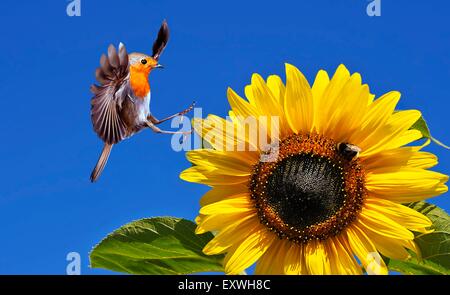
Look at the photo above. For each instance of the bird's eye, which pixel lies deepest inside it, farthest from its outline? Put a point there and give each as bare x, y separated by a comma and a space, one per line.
143, 61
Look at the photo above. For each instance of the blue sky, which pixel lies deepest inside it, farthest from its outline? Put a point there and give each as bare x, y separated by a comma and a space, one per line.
48, 207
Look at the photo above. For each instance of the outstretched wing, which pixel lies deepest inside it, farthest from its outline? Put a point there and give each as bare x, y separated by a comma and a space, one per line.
113, 76
161, 41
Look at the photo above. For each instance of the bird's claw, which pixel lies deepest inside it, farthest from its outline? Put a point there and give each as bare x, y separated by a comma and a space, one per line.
190, 108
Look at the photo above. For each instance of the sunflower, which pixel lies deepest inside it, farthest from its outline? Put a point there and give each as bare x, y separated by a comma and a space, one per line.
325, 195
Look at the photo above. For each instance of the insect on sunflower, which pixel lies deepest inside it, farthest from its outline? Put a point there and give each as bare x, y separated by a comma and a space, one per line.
326, 196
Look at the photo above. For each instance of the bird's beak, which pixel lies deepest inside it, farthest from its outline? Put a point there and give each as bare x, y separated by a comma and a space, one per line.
159, 66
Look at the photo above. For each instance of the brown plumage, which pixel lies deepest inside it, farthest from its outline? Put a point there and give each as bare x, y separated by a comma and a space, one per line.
161, 41
120, 106
113, 76
101, 161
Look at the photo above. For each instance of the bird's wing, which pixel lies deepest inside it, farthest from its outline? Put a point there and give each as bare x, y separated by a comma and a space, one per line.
161, 41
113, 77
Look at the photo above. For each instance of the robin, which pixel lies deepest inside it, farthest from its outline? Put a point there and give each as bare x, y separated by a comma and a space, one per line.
120, 106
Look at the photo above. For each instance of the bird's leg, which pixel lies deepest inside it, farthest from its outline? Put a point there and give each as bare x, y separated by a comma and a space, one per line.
158, 130
156, 121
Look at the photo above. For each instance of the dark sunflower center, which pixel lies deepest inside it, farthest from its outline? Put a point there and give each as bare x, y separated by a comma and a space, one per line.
310, 191
305, 190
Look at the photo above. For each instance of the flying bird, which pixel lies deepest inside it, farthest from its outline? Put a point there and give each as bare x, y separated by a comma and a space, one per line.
120, 106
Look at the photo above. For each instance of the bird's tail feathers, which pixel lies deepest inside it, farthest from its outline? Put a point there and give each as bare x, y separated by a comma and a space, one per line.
101, 162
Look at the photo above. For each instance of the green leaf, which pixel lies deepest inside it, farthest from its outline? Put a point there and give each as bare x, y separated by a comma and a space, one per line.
415, 267
440, 218
159, 245
422, 126
434, 247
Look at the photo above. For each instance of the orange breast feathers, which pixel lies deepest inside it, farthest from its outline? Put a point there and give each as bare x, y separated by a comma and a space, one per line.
139, 80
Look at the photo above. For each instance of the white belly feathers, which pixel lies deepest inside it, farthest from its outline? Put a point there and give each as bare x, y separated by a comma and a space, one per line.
142, 108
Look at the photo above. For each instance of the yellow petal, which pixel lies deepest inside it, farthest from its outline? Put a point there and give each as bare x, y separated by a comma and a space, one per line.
411, 245
298, 104
366, 251
228, 163
335, 264
387, 136
224, 135
337, 83
265, 101
317, 259
320, 84
405, 184
378, 114
223, 192
238, 204
210, 176
344, 260
403, 156
215, 131
277, 87
241, 107
347, 115
216, 222
352, 117
278, 90
243, 113
401, 214
404, 139
230, 235
294, 262
256, 131
391, 248
272, 261
199, 218
379, 223
330, 102
268, 106
249, 95
243, 255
